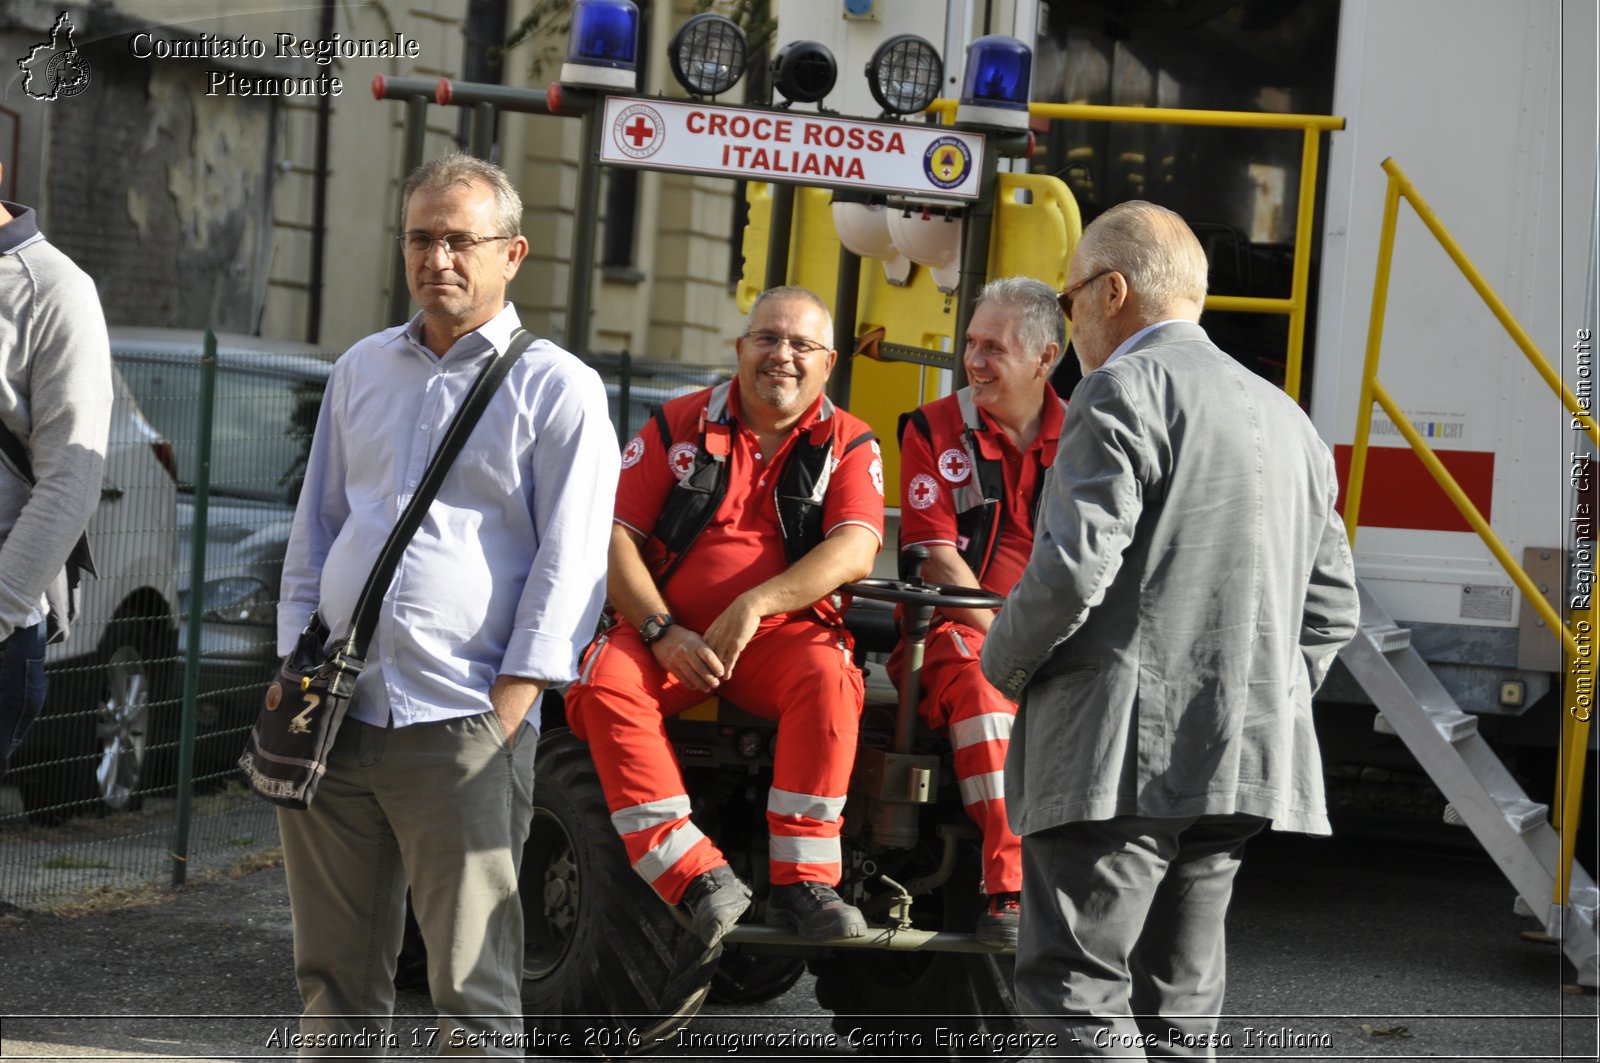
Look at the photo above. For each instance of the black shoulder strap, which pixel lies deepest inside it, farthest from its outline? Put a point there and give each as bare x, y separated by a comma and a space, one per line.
659, 416
918, 418
864, 437
365, 621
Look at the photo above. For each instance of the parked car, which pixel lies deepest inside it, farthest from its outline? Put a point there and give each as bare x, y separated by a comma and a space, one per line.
113, 682
268, 393
642, 398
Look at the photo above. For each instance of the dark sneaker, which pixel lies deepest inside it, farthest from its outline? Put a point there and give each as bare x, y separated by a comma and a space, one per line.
814, 911
997, 925
715, 900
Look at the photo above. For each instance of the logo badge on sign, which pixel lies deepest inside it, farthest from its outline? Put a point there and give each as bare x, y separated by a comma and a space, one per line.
947, 162
55, 69
680, 459
923, 492
639, 131
954, 465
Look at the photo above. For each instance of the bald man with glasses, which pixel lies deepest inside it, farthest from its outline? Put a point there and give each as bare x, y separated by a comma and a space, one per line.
1189, 587
741, 509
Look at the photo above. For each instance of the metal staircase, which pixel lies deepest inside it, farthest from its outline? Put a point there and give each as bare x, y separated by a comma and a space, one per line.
1484, 796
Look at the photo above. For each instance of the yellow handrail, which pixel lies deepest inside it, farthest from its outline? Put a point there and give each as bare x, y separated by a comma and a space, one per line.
1463, 504
1575, 722
1312, 125
1487, 294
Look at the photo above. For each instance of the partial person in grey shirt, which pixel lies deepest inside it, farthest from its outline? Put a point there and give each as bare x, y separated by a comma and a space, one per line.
55, 404
430, 782
1189, 586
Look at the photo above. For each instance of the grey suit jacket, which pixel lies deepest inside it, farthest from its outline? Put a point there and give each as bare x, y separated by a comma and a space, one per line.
1189, 586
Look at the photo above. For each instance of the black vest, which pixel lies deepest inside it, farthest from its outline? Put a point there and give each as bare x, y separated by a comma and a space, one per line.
802, 483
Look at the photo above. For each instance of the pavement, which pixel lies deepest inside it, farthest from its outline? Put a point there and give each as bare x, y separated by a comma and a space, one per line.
1365, 946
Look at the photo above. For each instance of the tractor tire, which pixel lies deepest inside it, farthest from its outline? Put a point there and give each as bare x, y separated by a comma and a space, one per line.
754, 977
606, 963
886, 999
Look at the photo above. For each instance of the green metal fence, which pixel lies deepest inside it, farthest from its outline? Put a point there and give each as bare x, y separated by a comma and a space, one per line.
109, 789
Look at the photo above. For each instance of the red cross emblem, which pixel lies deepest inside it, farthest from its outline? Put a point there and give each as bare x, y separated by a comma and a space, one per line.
680, 459
924, 491
639, 131
954, 465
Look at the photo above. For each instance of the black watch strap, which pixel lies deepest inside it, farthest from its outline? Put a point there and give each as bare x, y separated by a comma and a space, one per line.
655, 626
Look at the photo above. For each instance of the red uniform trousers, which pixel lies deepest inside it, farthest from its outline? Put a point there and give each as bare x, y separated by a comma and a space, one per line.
798, 673
955, 695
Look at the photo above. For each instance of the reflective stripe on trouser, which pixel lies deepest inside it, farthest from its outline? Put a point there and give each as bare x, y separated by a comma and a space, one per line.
957, 696
797, 673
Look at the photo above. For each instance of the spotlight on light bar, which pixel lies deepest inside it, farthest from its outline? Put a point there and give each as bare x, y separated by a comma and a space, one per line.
904, 74
603, 47
804, 71
708, 55
998, 79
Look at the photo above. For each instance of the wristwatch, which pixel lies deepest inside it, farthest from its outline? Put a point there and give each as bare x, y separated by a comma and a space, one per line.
655, 626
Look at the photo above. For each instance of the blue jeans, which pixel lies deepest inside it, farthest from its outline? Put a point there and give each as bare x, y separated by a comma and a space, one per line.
21, 687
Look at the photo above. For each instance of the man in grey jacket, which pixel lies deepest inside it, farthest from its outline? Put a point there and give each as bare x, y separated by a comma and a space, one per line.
55, 402
1189, 586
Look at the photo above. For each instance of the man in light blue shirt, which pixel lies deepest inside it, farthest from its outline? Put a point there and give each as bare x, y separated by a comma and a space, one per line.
431, 779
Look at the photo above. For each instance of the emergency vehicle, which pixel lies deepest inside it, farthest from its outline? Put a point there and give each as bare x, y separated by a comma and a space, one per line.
1398, 200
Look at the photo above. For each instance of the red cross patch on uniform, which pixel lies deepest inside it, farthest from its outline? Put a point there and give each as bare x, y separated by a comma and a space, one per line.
923, 492
633, 452
954, 465
680, 459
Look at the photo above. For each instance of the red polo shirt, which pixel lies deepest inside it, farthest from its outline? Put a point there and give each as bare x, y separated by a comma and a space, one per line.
742, 545
930, 470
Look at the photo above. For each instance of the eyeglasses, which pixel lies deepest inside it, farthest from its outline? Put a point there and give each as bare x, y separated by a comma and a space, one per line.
1066, 297
417, 242
767, 342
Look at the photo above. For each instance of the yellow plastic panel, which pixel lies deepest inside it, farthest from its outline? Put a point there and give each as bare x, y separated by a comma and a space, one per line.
1036, 228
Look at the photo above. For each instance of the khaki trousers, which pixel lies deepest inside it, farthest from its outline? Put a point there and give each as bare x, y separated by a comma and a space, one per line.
444, 807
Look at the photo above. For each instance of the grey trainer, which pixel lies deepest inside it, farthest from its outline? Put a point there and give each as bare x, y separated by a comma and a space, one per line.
715, 900
814, 911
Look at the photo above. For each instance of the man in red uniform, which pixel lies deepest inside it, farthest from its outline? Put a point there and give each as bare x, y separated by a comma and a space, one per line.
739, 511
971, 467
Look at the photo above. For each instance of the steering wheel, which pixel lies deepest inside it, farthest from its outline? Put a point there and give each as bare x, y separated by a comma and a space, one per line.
916, 592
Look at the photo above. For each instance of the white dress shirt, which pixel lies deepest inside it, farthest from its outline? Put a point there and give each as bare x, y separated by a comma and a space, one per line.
507, 572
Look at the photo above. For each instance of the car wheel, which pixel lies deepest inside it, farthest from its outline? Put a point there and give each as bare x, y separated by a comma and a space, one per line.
122, 728
599, 942
106, 736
